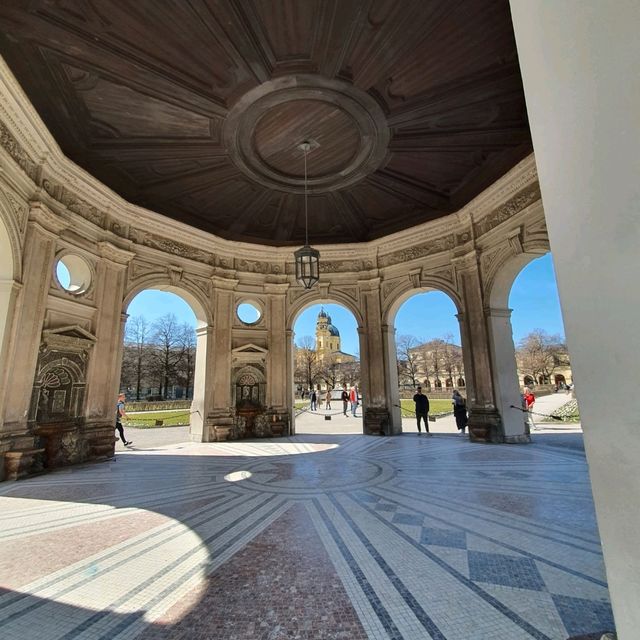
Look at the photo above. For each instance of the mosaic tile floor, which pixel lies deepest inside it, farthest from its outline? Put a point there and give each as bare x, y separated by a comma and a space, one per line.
313, 537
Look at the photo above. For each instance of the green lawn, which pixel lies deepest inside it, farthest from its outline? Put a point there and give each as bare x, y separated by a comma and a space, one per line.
178, 417
436, 407
175, 418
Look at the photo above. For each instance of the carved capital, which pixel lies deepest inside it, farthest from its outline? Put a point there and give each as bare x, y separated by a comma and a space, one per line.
228, 284
49, 222
115, 254
277, 289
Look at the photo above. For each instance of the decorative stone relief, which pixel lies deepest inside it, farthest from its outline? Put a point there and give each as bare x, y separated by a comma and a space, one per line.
389, 286
517, 203
73, 203
60, 381
139, 269
20, 210
175, 274
438, 245
19, 155
174, 247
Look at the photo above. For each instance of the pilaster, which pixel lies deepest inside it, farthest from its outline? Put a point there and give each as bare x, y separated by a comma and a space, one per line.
505, 375
43, 229
277, 385
103, 375
374, 355
218, 370
485, 423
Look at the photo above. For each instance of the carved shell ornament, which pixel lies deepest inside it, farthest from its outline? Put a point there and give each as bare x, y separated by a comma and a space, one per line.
54, 379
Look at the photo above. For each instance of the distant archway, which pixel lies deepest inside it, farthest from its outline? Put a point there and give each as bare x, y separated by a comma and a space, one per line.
172, 330
508, 380
424, 345
324, 360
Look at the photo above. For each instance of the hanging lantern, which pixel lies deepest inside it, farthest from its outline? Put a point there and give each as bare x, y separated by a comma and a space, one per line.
307, 259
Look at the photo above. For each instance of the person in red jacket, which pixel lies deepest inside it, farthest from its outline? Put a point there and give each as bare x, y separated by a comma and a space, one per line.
529, 400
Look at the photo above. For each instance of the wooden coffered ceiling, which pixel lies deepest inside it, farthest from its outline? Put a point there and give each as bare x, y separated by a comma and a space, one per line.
194, 108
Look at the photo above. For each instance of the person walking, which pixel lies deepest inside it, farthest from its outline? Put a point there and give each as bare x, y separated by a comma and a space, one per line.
422, 410
459, 411
327, 399
353, 399
344, 396
314, 400
529, 400
120, 414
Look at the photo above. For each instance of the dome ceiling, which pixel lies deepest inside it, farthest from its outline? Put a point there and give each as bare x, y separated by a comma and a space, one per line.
195, 108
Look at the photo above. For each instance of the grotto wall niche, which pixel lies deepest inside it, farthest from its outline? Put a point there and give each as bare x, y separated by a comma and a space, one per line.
58, 397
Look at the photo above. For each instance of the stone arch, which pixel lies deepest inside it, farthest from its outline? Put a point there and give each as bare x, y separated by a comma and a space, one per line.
390, 310
317, 297
190, 294
502, 348
201, 309
293, 313
10, 246
499, 286
393, 303
10, 271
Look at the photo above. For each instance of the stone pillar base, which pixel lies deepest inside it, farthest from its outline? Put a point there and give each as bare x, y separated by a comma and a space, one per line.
376, 421
64, 444
523, 438
101, 442
22, 463
485, 426
278, 421
220, 425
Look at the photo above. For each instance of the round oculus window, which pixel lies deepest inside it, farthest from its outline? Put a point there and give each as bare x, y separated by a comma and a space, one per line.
73, 274
248, 312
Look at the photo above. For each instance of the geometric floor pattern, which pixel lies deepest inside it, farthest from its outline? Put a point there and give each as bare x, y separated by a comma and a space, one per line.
311, 537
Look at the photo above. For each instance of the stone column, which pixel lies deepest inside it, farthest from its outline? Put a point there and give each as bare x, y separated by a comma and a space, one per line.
202, 391
505, 375
373, 371
291, 400
221, 414
43, 229
580, 61
391, 379
485, 424
103, 370
278, 381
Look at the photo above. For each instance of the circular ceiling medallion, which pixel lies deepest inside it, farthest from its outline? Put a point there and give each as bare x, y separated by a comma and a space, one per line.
346, 126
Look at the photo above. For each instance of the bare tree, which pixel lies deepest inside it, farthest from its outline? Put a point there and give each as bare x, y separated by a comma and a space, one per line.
539, 354
448, 356
329, 369
187, 365
168, 350
436, 348
307, 360
136, 351
408, 358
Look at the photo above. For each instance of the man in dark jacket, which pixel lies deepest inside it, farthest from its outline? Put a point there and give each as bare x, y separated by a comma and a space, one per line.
345, 400
422, 410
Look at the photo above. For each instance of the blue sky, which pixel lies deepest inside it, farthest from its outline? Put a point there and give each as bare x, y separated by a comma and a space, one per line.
534, 300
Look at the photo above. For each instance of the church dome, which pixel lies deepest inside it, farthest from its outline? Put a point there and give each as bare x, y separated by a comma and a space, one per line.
323, 314
333, 330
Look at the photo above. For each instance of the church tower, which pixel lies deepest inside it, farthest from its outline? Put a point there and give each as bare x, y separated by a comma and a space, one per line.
327, 336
